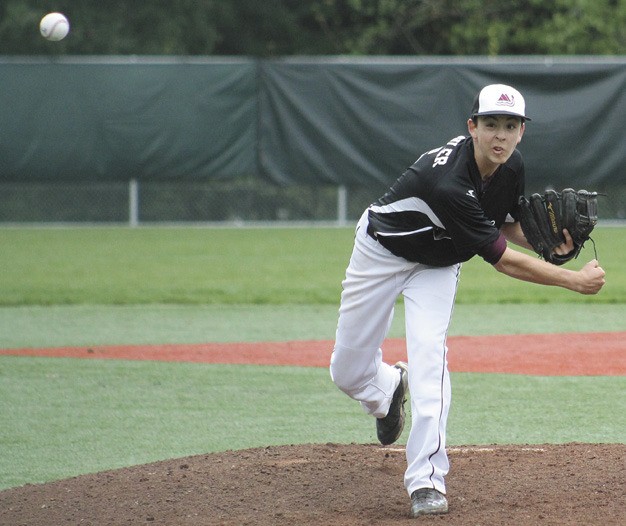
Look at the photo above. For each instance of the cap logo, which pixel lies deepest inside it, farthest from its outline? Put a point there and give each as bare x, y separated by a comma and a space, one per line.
506, 100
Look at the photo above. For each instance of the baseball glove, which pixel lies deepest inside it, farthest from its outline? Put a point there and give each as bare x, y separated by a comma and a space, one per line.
543, 218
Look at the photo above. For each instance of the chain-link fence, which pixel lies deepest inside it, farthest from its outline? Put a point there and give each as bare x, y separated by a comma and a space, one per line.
239, 201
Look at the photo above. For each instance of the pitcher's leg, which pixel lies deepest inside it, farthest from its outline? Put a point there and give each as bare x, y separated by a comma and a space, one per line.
429, 301
367, 303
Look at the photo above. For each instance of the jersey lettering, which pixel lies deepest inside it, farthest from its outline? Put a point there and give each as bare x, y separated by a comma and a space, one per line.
444, 153
442, 157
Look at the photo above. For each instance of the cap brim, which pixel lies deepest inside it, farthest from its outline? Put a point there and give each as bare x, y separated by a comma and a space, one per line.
482, 114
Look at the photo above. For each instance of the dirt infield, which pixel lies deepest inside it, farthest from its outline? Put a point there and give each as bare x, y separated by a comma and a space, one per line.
351, 485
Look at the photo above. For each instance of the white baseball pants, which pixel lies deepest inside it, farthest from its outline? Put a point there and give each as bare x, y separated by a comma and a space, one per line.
375, 278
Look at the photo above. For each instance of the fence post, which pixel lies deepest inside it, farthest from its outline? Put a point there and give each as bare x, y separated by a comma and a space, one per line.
342, 205
133, 203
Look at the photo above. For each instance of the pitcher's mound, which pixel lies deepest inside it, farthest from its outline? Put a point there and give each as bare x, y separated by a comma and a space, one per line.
331, 484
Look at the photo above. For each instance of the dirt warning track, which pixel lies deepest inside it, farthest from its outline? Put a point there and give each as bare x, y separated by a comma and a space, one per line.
571, 354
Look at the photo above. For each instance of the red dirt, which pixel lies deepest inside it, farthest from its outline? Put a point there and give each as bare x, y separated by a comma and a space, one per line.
350, 485
538, 354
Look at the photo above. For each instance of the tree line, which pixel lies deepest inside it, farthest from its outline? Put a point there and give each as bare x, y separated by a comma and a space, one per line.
266, 28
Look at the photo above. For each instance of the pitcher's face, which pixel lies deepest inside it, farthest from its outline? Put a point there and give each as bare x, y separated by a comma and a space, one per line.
495, 139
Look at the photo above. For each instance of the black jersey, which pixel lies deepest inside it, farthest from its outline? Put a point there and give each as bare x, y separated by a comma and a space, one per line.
440, 212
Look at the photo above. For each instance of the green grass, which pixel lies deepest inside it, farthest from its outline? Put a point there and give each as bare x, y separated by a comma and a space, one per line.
65, 417
177, 265
83, 325
118, 265
515, 409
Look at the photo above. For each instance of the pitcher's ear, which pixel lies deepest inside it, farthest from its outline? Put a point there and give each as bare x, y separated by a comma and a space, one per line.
522, 129
471, 127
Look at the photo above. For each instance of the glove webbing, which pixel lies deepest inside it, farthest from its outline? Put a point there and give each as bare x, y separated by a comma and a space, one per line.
595, 251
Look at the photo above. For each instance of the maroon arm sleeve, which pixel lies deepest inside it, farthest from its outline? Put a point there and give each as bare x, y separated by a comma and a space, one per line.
492, 252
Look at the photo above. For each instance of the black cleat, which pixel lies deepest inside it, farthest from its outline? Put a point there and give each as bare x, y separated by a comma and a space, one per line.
428, 501
389, 428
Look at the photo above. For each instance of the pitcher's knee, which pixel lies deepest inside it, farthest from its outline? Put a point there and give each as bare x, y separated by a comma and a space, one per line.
346, 373
340, 378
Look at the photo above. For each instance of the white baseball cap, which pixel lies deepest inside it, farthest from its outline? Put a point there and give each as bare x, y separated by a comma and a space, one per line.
499, 99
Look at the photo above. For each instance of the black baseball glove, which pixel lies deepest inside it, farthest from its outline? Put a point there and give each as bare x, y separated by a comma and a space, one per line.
543, 218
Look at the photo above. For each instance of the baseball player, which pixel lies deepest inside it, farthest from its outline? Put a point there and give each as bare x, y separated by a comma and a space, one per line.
454, 202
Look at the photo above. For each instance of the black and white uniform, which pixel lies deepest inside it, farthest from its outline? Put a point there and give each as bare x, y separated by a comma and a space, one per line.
412, 241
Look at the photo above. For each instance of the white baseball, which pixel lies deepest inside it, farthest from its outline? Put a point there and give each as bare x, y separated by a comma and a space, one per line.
54, 26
